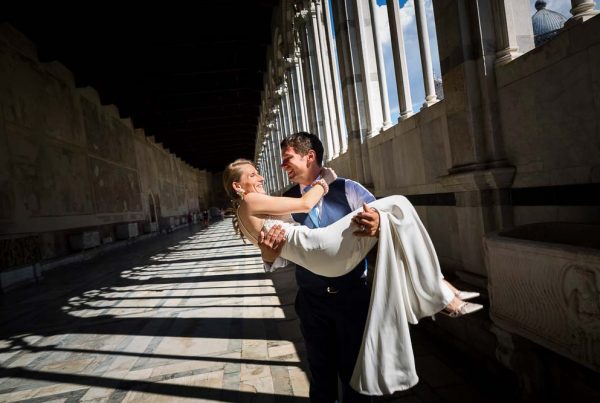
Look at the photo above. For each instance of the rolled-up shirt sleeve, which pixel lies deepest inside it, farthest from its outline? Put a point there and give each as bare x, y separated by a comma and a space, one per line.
279, 263
357, 194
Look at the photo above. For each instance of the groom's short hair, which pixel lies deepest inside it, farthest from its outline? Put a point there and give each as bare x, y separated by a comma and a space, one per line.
302, 143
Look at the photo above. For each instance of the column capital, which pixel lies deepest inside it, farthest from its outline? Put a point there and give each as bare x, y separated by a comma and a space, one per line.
290, 61
281, 90
301, 16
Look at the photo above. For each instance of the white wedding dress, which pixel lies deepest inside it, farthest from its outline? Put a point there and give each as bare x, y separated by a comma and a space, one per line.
407, 285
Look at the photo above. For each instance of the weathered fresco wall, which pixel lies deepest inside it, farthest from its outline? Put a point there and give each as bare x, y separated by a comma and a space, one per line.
69, 164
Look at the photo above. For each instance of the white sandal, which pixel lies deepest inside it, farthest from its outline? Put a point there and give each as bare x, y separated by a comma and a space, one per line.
464, 295
464, 308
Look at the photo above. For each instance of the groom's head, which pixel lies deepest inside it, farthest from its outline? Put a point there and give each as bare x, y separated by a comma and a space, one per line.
302, 157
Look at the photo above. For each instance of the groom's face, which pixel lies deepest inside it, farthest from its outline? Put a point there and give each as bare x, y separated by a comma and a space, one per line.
296, 166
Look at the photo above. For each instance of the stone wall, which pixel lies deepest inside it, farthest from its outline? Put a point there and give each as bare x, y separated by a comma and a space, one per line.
69, 163
409, 158
550, 109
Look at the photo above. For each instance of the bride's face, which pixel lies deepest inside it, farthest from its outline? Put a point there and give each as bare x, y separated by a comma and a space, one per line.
250, 181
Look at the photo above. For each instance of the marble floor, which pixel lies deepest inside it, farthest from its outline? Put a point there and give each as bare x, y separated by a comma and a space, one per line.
185, 316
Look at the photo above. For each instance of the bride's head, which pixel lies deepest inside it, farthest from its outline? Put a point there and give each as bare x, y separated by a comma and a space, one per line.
241, 177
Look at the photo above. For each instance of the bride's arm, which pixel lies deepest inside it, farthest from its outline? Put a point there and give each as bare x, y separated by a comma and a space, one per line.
258, 203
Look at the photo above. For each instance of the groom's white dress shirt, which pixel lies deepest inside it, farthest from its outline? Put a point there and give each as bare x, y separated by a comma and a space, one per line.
356, 194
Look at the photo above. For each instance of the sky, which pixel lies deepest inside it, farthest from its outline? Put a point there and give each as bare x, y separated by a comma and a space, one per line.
409, 29
411, 44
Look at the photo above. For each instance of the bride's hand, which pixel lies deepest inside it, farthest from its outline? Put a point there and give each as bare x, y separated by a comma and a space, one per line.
328, 174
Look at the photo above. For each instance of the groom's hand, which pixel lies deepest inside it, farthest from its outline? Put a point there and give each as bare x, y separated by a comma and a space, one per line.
271, 243
367, 222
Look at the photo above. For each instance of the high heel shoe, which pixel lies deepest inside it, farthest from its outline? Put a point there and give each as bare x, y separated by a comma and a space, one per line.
464, 308
464, 295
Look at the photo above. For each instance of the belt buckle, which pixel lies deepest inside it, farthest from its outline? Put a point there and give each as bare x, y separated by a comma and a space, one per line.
332, 290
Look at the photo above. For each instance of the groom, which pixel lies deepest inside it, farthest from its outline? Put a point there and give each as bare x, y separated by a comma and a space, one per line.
332, 310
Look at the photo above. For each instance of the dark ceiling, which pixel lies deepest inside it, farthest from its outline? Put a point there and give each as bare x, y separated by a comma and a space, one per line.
190, 76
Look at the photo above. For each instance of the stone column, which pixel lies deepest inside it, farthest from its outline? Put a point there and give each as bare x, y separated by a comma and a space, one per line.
319, 88
399, 55
385, 103
288, 108
272, 156
426, 66
513, 29
266, 160
291, 96
297, 93
582, 11
334, 73
354, 89
280, 94
478, 174
282, 116
301, 90
368, 67
309, 70
276, 141
328, 91
273, 165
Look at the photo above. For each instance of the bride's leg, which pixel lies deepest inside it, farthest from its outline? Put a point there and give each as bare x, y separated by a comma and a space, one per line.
451, 287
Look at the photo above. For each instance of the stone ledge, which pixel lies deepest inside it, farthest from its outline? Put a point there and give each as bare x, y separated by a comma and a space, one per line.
494, 178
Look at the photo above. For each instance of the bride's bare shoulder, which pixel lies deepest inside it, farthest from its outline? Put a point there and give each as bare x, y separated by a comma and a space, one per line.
254, 197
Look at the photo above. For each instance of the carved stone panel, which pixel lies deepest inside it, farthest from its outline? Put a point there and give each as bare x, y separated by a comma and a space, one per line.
548, 293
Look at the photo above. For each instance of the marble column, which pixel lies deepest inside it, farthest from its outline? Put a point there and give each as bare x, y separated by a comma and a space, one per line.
513, 29
334, 73
281, 93
399, 55
354, 88
267, 165
276, 141
368, 67
273, 165
479, 175
309, 70
297, 93
271, 159
385, 103
301, 89
291, 96
329, 98
288, 108
426, 66
284, 133
582, 11
319, 88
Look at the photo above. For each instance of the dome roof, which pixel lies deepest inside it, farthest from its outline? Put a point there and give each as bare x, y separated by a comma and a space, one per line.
546, 23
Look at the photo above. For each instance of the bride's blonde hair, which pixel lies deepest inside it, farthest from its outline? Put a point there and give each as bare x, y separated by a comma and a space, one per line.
233, 173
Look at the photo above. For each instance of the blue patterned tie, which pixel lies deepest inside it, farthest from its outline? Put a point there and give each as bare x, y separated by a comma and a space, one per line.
313, 213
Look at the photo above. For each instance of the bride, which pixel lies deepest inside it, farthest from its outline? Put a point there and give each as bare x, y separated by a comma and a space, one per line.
407, 286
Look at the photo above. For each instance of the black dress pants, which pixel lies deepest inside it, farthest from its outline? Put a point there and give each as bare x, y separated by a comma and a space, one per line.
332, 325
